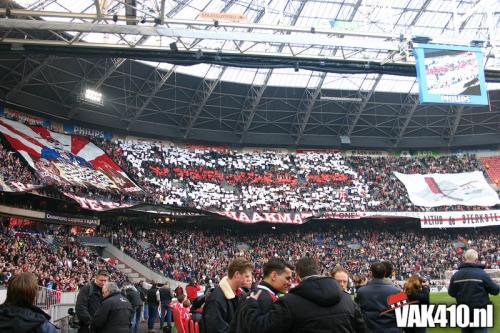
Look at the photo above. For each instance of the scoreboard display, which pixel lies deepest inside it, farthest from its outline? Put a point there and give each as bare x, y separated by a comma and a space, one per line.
450, 74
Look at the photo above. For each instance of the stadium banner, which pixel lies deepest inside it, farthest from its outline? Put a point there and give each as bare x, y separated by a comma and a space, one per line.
83, 131
72, 220
462, 219
62, 159
97, 204
25, 118
433, 190
256, 217
13, 186
465, 219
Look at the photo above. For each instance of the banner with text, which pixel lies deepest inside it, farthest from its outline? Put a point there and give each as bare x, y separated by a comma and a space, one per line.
96, 204
65, 159
464, 219
79, 130
72, 220
432, 190
14, 186
24, 118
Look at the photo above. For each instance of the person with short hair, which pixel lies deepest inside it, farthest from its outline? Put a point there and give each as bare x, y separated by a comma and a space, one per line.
471, 286
134, 297
341, 276
165, 300
89, 299
277, 280
115, 313
18, 313
192, 289
317, 304
390, 274
372, 300
222, 303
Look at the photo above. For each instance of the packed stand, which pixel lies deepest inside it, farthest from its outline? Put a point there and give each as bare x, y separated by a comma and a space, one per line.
60, 263
227, 180
13, 168
184, 253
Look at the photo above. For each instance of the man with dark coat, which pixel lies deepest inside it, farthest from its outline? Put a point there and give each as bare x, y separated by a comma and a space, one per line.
277, 280
89, 299
134, 297
165, 300
115, 313
221, 304
317, 304
153, 300
470, 285
372, 299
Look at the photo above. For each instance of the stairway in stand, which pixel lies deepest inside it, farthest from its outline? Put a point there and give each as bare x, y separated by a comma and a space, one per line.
132, 275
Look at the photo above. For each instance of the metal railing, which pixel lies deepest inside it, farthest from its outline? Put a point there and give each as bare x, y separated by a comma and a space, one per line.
47, 298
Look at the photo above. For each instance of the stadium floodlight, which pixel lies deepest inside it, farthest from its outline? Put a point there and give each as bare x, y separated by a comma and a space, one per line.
341, 99
93, 96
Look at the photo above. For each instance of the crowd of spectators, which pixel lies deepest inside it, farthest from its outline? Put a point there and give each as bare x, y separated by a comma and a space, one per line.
183, 253
59, 262
13, 168
227, 180
222, 179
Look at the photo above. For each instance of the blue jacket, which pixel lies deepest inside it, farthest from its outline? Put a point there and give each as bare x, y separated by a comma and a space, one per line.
372, 300
471, 285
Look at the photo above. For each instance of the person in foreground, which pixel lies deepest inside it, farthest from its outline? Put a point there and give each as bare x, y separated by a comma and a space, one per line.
373, 301
317, 304
277, 281
222, 303
19, 314
470, 285
115, 313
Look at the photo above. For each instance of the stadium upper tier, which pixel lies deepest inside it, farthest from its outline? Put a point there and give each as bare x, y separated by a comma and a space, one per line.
269, 181
222, 179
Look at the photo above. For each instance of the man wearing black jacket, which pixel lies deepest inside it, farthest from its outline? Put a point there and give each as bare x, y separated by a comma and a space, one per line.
134, 297
222, 303
89, 299
470, 285
114, 314
277, 280
317, 304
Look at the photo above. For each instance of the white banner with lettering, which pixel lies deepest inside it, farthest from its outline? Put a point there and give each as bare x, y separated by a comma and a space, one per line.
432, 190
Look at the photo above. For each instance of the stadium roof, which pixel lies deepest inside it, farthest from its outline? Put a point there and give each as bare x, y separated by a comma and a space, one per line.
251, 72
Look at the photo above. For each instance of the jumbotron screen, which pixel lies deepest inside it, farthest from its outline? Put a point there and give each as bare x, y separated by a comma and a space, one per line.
450, 74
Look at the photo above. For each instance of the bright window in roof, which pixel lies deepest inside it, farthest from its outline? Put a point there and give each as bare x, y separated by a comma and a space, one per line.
427, 17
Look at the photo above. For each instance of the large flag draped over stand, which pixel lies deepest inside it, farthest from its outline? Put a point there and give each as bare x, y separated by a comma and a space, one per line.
432, 190
65, 159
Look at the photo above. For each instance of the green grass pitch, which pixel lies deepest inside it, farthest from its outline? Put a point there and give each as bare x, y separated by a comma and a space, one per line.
443, 298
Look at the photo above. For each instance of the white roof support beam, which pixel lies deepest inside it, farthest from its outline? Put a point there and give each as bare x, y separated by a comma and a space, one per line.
306, 106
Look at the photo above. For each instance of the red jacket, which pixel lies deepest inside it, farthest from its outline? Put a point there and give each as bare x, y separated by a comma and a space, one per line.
192, 291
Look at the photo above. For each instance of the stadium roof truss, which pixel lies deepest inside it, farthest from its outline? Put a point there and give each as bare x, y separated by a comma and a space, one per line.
282, 72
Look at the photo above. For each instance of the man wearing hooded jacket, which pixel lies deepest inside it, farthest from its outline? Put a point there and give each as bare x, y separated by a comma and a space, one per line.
317, 304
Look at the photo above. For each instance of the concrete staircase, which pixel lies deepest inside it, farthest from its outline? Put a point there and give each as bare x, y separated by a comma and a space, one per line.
132, 275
